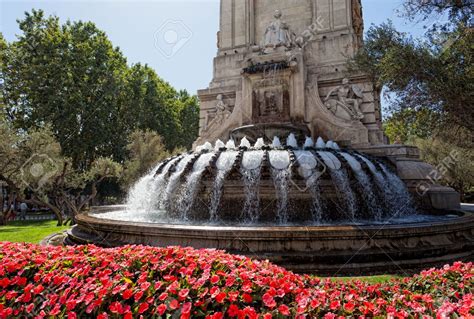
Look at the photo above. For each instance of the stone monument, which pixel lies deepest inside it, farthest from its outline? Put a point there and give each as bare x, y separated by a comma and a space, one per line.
281, 67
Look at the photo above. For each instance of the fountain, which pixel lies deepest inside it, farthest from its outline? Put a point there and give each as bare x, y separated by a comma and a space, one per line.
291, 163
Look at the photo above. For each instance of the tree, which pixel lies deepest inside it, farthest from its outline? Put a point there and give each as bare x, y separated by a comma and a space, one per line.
145, 150
431, 74
66, 75
456, 10
152, 104
189, 119
454, 164
404, 126
37, 173
72, 77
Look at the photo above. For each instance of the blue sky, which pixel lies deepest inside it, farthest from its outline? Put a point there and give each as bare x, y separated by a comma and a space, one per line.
133, 26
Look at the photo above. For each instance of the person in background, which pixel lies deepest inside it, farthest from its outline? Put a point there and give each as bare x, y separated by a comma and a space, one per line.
11, 214
23, 209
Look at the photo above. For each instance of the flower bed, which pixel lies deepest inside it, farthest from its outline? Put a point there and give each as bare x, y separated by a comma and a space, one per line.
137, 281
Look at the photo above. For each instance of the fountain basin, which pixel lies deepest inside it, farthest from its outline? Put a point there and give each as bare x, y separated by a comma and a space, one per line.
324, 250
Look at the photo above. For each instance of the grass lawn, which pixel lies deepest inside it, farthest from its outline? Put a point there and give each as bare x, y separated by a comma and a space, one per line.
378, 279
29, 231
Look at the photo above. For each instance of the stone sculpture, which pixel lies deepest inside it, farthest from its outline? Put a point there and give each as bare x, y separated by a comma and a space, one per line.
357, 22
347, 96
278, 33
222, 113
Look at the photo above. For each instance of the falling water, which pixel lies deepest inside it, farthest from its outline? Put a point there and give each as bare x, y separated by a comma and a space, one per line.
291, 141
188, 194
320, 143
173, 180
375, 209
250, 170
218, 145
205, 147
307, 169
400, 193
245, 143
280, 162
276, 142
341, 183
230, 145
308, 142
162, 194
259, 143
224, 164
144, 195
397, 199
141, 194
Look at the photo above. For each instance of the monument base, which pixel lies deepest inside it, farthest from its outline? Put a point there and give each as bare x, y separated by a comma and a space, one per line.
324, 250
417, 175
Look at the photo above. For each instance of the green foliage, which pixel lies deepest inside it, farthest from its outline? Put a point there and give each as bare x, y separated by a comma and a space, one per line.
456, 10
402, 127
435, 74
33, 166
145, 149
189, 118
72, 77
454, 163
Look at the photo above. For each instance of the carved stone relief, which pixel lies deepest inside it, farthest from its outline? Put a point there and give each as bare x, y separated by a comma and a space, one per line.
218, 116
346, 96
357, 22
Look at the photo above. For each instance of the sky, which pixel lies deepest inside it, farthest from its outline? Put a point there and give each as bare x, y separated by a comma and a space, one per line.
144, 30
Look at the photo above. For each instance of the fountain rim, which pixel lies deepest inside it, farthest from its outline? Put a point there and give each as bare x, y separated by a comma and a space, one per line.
464, 218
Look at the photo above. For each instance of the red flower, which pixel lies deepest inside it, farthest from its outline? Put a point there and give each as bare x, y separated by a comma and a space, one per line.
247, 298
284, 310
183, 294
174, 304
127, 294
161, 309
233, 310
334, 305
116, 307
138, 295
268, 300
349, 306
38, 289
220, 297
143, 307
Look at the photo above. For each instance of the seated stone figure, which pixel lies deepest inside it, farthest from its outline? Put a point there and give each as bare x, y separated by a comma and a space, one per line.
347, 96
222, 113
278, 33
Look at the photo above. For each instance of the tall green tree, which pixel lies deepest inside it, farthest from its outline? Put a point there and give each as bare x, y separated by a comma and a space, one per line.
66, 75
434, 73
70, 76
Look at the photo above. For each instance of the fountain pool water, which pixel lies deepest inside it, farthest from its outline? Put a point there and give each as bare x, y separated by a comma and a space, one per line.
312, 208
